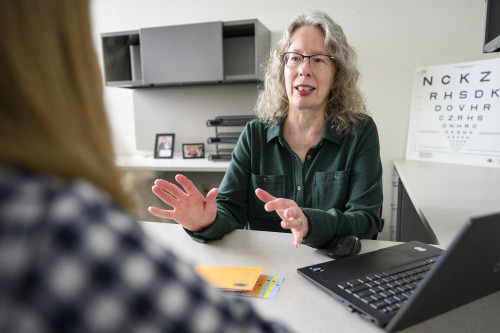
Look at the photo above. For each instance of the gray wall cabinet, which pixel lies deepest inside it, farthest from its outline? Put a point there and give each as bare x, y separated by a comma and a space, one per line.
202, 53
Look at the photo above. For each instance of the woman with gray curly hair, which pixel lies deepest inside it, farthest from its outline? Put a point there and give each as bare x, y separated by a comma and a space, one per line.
310, 164
346, 104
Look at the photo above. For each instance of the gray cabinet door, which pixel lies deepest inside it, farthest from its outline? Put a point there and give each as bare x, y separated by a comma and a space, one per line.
189, 53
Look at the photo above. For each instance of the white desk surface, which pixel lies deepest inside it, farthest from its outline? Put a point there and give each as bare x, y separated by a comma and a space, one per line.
177, 163
446, 195
299, 304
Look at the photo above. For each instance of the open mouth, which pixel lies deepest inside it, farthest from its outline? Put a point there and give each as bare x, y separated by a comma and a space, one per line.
301, 88
304, 90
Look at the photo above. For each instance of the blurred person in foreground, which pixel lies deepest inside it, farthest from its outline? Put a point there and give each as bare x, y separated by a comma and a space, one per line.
71, 257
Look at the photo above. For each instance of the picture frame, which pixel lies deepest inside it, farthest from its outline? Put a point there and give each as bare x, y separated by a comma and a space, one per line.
193, 150
164, 145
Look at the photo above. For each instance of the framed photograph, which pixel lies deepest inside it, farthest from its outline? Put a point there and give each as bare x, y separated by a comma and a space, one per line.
193, 150
164, 145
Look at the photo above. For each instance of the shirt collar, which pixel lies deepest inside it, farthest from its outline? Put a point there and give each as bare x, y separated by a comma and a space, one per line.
273, 131
329, 134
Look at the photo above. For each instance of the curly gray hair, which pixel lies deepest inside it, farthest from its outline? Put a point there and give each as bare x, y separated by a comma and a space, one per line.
346, 104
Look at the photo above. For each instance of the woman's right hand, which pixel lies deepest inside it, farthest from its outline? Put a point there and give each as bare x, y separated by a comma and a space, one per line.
190, 208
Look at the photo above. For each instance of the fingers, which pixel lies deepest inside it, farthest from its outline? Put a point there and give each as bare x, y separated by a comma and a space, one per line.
273, 203
166, 214
297, 239
167, 186
299, 227
190, 209
212, 195
280, 204
186, 184
299, 233
174, 190
164, 196
292, 223
263, 195
292, 216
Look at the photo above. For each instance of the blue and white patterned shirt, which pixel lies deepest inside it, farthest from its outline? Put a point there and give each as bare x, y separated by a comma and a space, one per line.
72, 261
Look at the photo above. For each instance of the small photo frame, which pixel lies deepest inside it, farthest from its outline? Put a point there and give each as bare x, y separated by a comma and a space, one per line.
193, 150
164, 145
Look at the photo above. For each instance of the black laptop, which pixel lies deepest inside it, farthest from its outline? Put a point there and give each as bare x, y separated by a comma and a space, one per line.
402, 285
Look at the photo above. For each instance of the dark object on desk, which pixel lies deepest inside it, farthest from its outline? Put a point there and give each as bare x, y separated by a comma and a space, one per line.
418, 281
343, 246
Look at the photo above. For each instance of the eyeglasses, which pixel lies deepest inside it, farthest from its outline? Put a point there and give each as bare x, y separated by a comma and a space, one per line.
317, 61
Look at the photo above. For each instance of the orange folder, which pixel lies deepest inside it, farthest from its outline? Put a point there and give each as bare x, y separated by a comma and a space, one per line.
230, 277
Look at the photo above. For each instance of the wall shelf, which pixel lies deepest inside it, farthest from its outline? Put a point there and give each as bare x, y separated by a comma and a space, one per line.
201, 53
177, 163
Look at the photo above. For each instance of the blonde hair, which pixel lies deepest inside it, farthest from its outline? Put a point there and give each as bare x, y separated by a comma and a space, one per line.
346, 104
52, 117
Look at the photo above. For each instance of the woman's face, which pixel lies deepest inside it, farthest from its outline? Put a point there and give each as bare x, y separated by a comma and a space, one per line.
308, 88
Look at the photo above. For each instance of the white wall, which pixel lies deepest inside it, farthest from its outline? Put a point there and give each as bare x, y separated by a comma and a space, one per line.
391, 36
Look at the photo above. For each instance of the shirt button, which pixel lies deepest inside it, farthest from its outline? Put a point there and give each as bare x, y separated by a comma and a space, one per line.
335, 176
308, 157
264, 179
299, 188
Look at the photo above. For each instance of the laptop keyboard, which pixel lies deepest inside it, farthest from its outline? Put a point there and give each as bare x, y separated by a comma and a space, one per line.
388, 291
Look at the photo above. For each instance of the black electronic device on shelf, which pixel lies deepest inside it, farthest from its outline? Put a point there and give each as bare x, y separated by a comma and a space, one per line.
224, 141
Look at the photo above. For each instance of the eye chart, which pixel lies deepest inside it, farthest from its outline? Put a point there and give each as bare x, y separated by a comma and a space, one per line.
455, 114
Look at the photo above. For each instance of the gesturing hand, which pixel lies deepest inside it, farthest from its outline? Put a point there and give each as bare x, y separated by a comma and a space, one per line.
190, 208
291, 215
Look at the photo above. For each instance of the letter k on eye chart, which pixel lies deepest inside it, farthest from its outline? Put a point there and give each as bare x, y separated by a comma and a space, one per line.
455, 114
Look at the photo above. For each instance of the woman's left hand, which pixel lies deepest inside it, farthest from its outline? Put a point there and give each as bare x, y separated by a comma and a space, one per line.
292, 216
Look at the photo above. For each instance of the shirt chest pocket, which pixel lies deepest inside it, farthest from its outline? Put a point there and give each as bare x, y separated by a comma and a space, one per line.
273, 184
331, 189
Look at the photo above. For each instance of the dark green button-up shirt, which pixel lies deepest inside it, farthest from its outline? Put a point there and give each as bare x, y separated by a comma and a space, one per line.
339, 187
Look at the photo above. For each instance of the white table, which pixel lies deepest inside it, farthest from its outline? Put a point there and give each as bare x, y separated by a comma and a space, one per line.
299, 304
442, 197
